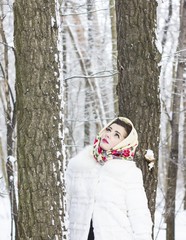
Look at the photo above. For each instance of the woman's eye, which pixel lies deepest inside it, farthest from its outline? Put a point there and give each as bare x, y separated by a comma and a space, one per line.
108, 129
117, 135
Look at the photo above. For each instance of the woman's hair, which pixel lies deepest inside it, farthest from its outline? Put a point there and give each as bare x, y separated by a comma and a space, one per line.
127, 126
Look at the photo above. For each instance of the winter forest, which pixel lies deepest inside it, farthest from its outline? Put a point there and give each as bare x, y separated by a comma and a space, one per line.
66, 69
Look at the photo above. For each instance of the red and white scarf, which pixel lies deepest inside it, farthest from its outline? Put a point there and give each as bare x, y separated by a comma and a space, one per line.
125, 150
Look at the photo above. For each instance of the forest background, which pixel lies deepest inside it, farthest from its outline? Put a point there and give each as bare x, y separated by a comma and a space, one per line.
89, 78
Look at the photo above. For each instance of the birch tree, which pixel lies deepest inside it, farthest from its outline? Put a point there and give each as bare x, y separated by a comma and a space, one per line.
138, 81
39, 146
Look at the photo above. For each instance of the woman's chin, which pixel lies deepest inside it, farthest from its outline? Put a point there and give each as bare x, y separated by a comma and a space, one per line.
104, 146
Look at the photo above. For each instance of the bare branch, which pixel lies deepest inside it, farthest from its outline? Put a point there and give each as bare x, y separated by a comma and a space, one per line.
90, 76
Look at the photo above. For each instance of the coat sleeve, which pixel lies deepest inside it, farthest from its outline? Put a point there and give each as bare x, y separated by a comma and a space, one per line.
137, 207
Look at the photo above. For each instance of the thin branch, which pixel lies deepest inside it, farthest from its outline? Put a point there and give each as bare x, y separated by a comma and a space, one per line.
6, 45
98, 10
90, 76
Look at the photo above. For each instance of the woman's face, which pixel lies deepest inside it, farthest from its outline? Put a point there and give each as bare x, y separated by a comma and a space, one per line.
111, 136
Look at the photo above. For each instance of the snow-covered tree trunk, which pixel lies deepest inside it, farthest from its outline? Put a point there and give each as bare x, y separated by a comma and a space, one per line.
39, 123
90, 8
138, 81
176, 100
167, 44
114, 51
184, 151
9, 112
184, 143
184, 127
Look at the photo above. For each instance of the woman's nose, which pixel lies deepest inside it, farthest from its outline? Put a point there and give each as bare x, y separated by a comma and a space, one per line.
107, 135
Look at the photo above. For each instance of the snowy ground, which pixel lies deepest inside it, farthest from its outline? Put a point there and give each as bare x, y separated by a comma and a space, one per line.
160, 227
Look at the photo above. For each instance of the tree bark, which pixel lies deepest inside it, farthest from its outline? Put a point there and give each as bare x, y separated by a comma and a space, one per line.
138, 81
39, 125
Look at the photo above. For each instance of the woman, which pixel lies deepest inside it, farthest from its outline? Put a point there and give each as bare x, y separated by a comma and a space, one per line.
105, 194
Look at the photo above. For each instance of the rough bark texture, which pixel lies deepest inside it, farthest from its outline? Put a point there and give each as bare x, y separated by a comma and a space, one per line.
39, 156
176, 100
138, 83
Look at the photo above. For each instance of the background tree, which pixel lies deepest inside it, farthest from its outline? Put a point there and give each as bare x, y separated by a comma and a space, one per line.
174, 153
89, 72
183, 57
8, 114
39, 129
138, 86
114, 51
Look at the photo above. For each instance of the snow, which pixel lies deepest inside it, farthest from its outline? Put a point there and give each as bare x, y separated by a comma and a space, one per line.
180, 219
5, 217
11, 159
149, 155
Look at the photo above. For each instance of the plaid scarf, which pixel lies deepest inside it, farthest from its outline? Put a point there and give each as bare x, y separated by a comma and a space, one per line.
125, 150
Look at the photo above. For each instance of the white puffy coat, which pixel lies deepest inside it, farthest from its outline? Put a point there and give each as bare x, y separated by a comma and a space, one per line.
111, 195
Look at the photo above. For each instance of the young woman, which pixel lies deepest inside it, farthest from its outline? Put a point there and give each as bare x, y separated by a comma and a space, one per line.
105, 194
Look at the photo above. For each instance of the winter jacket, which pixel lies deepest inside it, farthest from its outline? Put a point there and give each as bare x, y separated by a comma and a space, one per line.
112, 195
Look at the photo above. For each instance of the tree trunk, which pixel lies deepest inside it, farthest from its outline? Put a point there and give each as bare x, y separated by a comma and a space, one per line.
88, 67
184, 144
173, 162
10, 119
138, 81
39, 125
165, 111
114, 51
184, 104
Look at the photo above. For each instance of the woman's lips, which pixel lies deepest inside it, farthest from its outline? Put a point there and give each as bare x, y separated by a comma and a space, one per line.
104, 140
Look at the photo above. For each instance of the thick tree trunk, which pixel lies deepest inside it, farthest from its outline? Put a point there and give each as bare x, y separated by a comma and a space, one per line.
40, 211
138, 83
